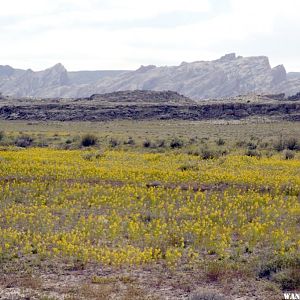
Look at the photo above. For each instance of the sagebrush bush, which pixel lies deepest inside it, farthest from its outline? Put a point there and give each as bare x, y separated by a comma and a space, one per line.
292, 144
252, 153
277, 264
269, 154
113, 143
2, 134
160, 143
251, 146
263, 145
288, 279
92, 155
279, 145
147, 144
207, 153
289, 144
23, 141
130, 141
220, 142
88, 140
176, 143
288, 154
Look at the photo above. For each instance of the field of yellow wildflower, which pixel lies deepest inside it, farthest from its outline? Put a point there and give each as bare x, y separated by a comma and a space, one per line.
122, 208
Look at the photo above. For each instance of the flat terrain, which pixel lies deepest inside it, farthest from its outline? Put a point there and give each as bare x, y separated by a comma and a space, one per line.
149, 209
232, 131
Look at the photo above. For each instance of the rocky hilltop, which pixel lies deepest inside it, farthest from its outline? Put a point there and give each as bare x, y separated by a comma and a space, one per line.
227, 76
140, 97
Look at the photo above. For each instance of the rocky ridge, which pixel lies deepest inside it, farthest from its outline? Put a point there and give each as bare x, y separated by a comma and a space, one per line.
148, 105
227, 76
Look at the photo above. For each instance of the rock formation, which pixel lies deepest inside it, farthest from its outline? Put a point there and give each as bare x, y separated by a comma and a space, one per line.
228, 76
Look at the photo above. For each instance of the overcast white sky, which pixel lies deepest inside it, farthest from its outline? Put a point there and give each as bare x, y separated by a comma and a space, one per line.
124, 34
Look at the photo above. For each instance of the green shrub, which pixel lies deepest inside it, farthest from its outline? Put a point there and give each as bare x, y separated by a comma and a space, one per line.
23, 141
251, 146
279, 145
289, 144
147, 144
288, 154
130, 141
292, 144
288, 279
220, 142
113, 143
160, 143
263, 145
90, 156
277, 264
207, 153
176, 143
269, 154
252, 153
88, 140
2, 134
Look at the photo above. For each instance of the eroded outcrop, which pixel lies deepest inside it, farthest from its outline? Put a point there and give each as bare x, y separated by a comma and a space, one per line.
227, 76
146, 105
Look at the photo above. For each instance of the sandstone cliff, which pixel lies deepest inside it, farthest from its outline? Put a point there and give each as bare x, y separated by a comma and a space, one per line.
228, 76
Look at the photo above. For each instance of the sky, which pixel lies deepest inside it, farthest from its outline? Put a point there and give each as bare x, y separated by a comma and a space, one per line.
124, 34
